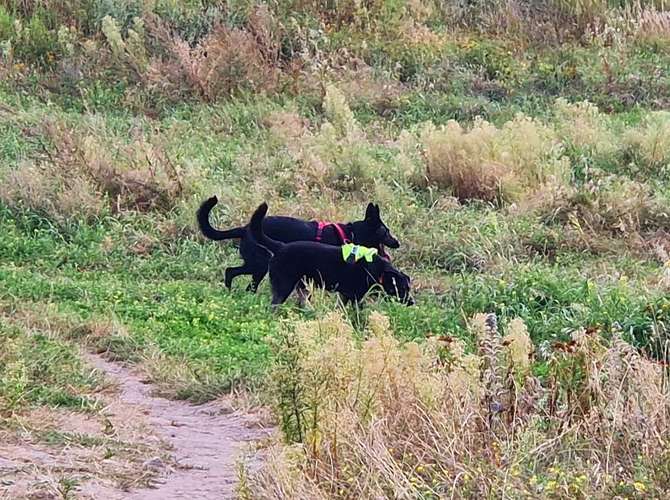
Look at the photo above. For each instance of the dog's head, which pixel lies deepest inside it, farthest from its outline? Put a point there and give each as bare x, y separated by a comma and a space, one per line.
372, 232
397, 284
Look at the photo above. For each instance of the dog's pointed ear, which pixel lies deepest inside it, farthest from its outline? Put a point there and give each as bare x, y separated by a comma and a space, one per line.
369, 211
372, 213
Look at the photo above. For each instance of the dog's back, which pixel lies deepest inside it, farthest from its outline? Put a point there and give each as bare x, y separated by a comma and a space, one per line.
288, 229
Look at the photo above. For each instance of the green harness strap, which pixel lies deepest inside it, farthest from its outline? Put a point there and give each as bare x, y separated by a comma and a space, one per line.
353, 253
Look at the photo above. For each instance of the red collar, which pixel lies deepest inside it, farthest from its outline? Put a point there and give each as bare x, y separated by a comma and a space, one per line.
321, 225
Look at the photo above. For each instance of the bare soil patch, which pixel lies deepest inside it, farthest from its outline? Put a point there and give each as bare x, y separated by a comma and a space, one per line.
138, 446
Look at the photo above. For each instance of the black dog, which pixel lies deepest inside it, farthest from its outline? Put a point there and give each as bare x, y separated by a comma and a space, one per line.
371, 232
292, 264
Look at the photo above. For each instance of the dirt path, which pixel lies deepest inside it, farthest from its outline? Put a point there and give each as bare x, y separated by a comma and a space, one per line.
207, 441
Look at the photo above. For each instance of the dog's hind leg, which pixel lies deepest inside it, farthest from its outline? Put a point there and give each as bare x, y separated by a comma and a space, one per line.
234, 272
279, 298
281, 292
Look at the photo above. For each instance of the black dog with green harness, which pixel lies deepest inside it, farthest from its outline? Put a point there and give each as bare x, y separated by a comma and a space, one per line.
351, 270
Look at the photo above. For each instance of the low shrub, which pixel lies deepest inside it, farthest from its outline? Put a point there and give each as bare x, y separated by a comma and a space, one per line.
28, 39
123, 13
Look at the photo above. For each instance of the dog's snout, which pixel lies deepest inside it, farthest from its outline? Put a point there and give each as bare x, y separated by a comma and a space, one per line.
391, 242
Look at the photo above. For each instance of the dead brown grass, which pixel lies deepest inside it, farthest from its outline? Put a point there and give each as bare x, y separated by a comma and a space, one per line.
386, 418
227, 61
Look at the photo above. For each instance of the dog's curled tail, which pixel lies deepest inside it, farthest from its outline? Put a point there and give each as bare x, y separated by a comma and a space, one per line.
207, 229
256, 229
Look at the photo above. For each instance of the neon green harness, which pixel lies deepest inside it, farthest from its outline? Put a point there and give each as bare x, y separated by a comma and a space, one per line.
353, 253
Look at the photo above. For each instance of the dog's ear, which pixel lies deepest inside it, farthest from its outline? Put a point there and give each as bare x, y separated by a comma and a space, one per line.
369, 211
372, 213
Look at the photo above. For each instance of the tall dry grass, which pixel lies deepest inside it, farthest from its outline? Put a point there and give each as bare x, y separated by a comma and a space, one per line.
654, 27
650, 141
336, 157
490, 163
582, 125
382, 418
226, 61
78, 174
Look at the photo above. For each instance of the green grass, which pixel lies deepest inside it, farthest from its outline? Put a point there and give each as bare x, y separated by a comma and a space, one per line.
88, 135
36, 369
174, 299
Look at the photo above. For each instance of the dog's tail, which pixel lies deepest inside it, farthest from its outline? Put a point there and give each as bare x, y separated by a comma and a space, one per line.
256, 229
206, 227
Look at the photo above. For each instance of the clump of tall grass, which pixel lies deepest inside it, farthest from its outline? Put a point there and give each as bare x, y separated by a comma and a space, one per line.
490, 163
338, 156
650, 141
79, 175
582, 125
379, 417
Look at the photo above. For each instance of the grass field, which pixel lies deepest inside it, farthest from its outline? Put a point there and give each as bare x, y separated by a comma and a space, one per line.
521, 155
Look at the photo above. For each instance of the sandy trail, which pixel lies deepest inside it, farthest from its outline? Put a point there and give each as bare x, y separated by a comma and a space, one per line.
207, 440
